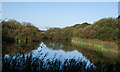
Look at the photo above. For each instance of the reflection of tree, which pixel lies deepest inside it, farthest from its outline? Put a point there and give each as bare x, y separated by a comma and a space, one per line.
56, 45
18, 48
96, 57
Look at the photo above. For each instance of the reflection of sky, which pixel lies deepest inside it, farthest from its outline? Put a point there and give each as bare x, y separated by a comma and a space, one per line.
58, 54
55, 54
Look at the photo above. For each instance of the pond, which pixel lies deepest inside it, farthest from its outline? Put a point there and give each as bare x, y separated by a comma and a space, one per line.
62, 51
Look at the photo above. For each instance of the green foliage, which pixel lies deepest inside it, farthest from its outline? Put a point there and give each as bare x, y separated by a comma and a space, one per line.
65, 33
78, 26
14, 31
105, 29
53, 33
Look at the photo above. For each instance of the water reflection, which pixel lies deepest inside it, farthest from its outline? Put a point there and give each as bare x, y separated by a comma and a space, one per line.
13, 49
58, 54
59, 50
93, 56
54, 52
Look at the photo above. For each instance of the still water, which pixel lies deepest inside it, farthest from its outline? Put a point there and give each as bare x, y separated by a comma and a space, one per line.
60, 50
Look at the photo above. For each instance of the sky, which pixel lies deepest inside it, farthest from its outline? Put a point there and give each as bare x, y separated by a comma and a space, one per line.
58, 14
60, 0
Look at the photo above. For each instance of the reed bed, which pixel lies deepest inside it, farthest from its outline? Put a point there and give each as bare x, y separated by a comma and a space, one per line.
22, 63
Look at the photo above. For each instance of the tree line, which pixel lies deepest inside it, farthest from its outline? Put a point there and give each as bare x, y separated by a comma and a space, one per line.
105, 29
14, 31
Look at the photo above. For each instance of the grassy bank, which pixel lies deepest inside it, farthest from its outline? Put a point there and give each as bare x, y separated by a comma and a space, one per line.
108, 48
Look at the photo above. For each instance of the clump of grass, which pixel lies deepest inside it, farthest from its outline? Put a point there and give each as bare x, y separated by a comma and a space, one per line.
28, 63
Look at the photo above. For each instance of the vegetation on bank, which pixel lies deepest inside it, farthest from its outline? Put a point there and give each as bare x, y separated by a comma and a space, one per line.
63, 34
23, 63
102, 46
14, 31
105, 29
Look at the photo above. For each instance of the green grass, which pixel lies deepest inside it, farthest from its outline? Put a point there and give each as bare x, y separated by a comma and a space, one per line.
105, 47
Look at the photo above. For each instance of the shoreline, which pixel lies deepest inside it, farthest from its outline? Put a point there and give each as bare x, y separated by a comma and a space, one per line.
107, 48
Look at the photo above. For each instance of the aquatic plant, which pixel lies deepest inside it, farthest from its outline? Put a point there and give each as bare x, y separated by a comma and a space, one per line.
25, 63
28, 63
